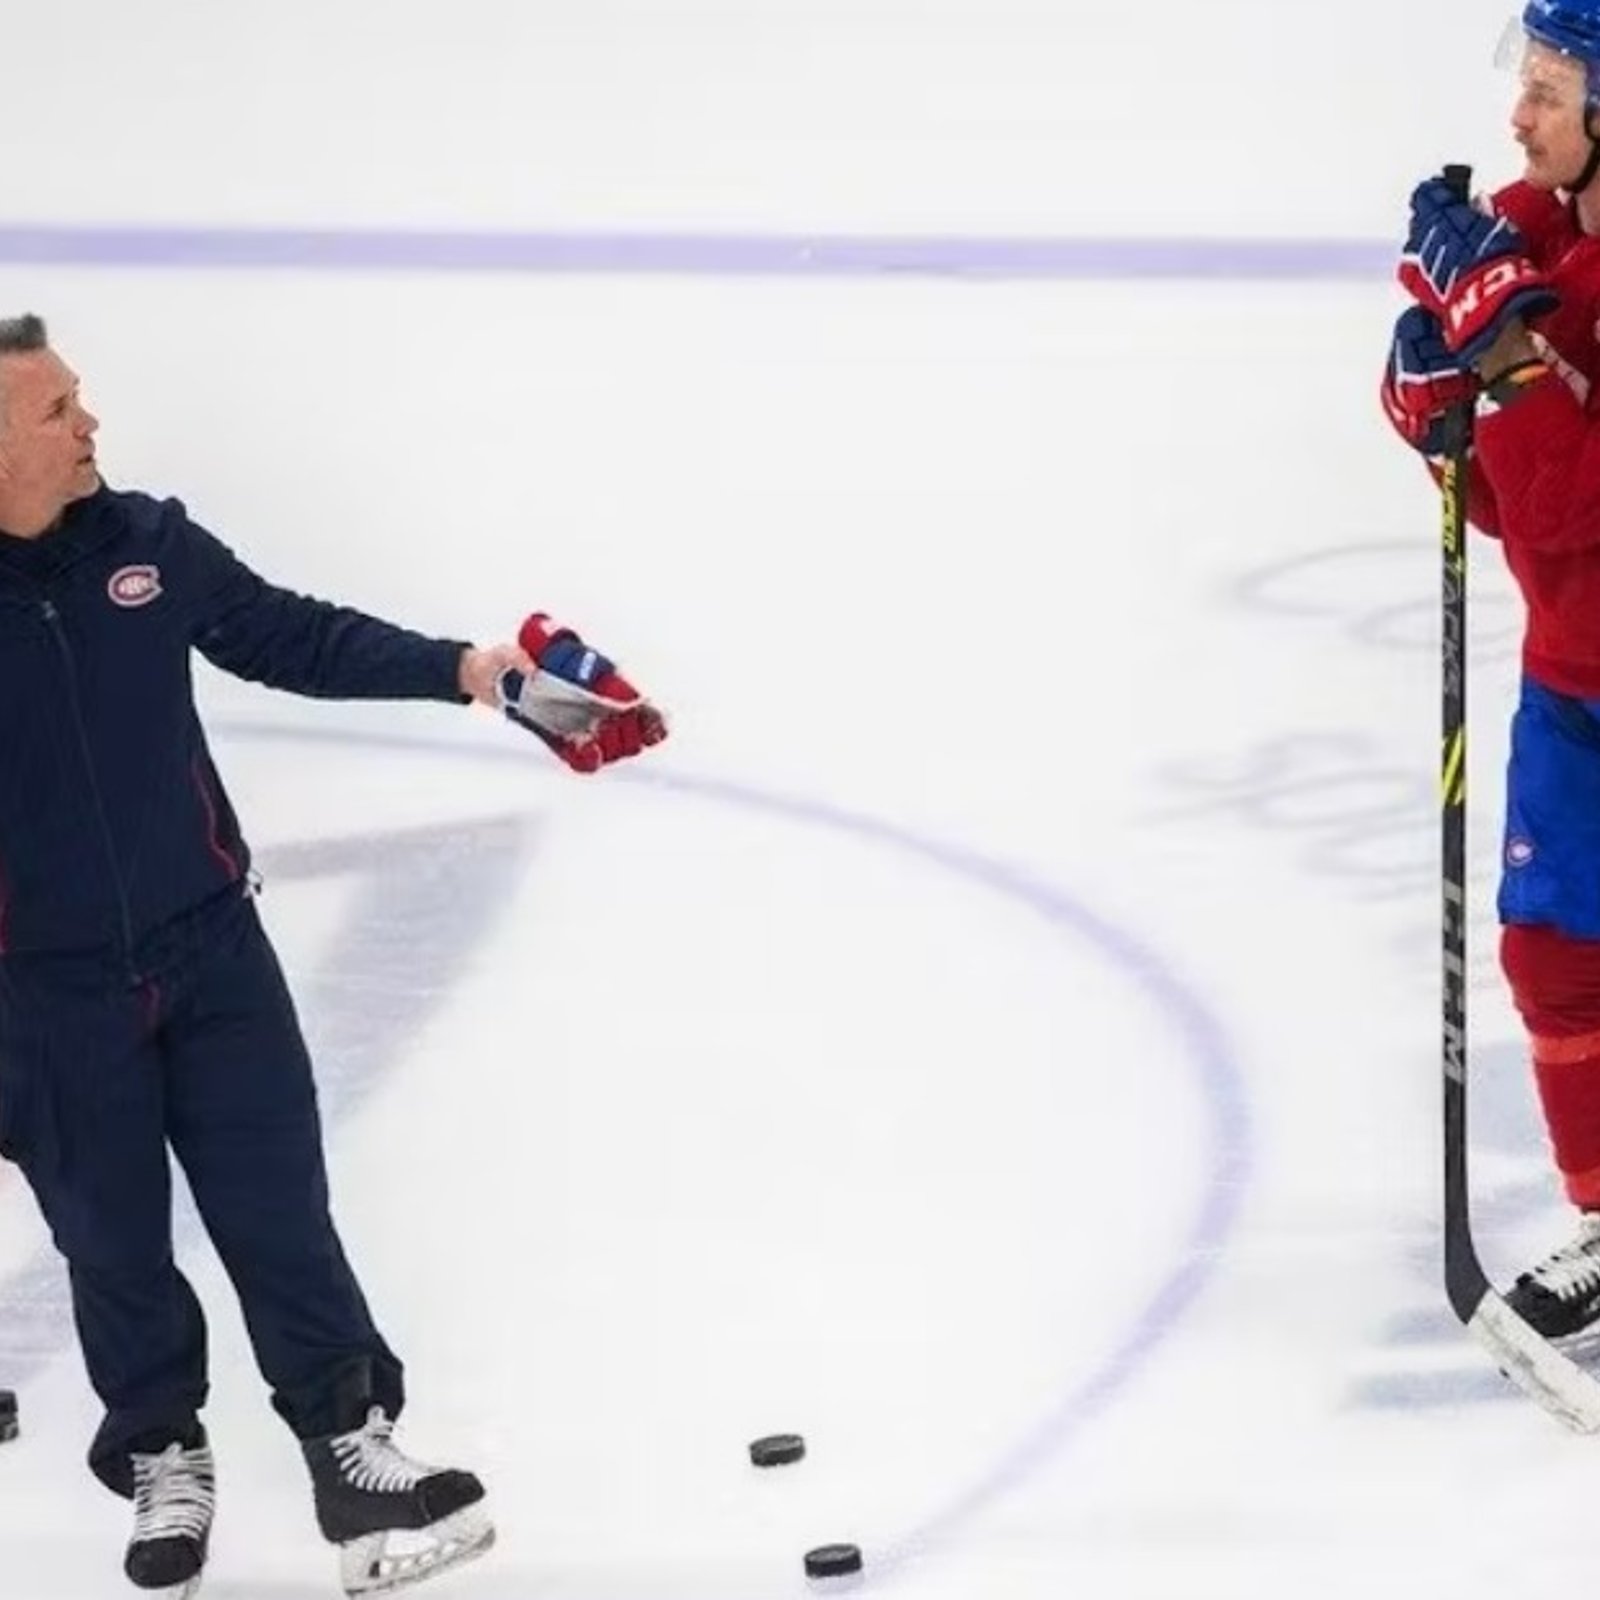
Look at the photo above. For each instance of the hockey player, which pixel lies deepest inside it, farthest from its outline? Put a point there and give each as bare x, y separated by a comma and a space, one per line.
142, 1007
1507, 296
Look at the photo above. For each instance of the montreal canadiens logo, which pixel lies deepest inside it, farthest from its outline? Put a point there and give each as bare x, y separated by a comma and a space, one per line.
134, 586
1519, 852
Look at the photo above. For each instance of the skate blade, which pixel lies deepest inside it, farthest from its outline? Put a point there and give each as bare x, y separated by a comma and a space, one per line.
383, 1562
175, 1591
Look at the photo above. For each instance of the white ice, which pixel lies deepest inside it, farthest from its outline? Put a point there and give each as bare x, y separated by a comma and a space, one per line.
996, 1037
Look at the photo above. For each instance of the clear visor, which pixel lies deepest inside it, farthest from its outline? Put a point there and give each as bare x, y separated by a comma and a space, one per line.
1547, 76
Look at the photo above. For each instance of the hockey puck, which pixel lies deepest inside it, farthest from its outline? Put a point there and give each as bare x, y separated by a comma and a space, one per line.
833, 1561
778, 1450
8, 1415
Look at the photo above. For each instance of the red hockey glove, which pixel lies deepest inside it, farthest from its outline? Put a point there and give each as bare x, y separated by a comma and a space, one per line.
577, 701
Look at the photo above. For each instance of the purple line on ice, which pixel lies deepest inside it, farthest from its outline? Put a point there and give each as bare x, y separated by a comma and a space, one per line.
697, 254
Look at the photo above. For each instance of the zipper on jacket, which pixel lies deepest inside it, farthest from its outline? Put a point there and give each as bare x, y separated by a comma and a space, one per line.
53, 618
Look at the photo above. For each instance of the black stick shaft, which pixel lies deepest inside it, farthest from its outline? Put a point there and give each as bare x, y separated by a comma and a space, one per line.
1464, 1277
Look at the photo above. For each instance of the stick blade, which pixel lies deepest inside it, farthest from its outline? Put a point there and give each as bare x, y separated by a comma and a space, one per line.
1534, 1365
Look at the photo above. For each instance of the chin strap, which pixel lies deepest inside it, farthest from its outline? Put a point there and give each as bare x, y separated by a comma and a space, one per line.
1592, 165
1590, 168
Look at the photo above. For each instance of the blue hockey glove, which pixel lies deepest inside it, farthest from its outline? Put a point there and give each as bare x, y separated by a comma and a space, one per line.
1422, 380
1470, 269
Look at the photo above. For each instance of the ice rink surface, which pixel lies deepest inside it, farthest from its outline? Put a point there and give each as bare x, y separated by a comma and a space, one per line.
996, 1037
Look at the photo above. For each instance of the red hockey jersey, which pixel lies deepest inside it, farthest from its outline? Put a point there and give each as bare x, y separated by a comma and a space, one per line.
1535, 481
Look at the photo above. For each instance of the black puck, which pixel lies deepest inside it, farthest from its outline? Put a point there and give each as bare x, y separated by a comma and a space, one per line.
8, 1415
778, 1450
833, 1561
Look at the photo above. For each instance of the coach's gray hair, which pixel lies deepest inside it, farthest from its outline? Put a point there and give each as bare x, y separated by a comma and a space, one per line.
19, 335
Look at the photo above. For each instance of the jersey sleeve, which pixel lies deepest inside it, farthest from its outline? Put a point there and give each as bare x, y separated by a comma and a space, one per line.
255, 630
1541, 458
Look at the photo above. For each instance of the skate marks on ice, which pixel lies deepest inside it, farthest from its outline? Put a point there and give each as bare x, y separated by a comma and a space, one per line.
1361, 810
1377, 594
424, 900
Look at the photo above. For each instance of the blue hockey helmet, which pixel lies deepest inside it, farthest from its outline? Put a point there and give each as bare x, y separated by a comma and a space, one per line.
1569, 26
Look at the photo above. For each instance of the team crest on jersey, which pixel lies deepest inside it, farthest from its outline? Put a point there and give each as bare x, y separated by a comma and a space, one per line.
134, 586
1519, 852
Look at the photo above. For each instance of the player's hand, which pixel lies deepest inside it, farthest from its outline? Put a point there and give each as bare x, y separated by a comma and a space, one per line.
1422, 381
481, 670
575, 699
1469, 268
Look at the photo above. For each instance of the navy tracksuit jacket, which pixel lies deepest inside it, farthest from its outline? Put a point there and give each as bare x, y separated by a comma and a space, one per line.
141, 1005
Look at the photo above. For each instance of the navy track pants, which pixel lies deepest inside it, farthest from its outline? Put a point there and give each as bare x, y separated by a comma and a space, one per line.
195, 1047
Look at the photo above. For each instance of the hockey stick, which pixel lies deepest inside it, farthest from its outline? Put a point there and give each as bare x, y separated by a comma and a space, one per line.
1529, 1360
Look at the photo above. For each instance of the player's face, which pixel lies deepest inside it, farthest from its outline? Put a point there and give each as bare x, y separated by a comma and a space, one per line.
1549, 119
46, 437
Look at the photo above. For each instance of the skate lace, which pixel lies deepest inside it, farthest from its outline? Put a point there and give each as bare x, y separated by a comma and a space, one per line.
369, 1460
173, 1493
1574, 1269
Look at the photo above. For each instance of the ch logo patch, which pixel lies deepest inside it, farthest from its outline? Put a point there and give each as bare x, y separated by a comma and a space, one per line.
134, 586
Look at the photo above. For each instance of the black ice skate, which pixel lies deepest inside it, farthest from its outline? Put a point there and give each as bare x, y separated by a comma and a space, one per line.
395, 1520
1561, 1296
174, 1495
